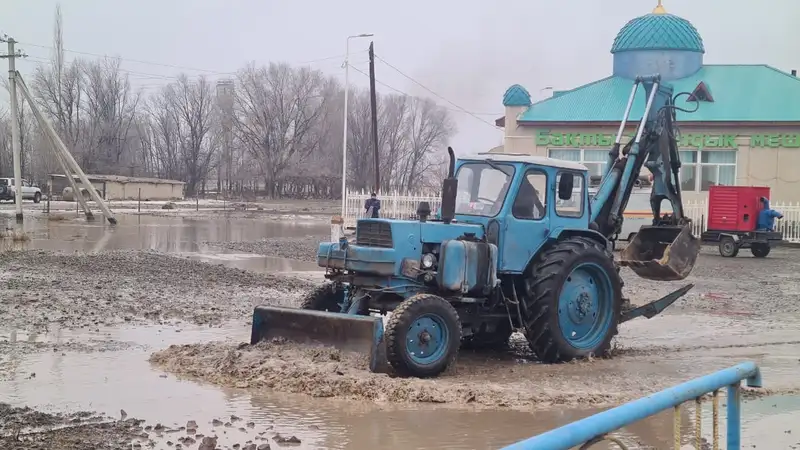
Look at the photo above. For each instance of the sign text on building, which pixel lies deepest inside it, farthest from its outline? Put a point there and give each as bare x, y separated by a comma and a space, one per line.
544, 138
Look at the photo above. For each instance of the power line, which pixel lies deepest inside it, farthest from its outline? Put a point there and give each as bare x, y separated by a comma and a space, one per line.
434, 93
405, 94
213, 72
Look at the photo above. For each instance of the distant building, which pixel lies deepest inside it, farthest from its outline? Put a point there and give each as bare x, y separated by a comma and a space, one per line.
115, 187
745, 132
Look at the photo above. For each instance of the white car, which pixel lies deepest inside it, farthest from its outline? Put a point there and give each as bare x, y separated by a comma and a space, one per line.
29, 192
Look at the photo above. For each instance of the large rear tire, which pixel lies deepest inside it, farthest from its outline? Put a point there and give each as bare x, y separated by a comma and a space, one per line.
423, 336
573, 296
326, 297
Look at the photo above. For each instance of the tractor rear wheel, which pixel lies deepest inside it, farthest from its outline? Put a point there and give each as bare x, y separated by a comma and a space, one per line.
573, 296
422, 336
327, 297
760, 250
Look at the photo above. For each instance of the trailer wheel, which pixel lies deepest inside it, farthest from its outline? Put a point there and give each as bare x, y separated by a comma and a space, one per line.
760, 250
327, 297
728, 247
573, 297
423, 336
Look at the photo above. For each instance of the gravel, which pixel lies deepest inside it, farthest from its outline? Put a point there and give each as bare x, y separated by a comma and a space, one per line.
75, 290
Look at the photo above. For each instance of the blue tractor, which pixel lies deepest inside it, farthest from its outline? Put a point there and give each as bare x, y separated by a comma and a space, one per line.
518, 245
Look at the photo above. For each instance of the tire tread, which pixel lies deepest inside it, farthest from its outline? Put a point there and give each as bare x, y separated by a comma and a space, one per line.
541, 287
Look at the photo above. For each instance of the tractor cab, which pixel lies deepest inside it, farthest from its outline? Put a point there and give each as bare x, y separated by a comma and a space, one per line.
520, 195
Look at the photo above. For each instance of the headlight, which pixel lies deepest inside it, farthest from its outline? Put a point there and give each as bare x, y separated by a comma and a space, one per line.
428, 261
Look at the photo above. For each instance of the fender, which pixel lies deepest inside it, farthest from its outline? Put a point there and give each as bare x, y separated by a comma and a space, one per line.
562, 233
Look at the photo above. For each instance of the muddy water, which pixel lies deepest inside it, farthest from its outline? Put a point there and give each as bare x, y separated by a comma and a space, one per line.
174, 235
116, 375
107, 370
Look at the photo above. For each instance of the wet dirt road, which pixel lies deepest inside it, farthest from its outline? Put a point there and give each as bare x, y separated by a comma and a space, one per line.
54, 359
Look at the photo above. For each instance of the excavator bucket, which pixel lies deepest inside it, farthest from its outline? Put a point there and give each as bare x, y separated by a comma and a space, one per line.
662, 253
346, 332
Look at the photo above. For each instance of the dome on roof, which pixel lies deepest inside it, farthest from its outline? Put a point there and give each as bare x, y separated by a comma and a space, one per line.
658, 31
516, 95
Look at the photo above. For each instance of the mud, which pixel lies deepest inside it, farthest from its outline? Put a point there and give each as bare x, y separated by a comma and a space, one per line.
299, 248
40, 288
729, 316
28, 429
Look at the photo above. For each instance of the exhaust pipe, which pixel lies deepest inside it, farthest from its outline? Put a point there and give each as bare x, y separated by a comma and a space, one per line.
449, 190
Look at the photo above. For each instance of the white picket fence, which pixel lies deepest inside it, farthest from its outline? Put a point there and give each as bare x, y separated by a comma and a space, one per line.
397, 205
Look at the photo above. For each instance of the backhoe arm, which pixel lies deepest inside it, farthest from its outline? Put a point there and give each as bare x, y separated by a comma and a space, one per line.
666, 250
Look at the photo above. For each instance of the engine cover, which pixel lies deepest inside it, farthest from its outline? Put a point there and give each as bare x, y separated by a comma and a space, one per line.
467, 267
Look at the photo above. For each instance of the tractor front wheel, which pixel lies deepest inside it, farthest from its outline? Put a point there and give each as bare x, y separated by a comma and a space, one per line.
760, 250
574, 297
423, 336
728, 247
326, 297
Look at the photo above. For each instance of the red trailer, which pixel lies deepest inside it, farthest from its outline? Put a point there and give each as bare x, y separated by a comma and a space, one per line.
732, 221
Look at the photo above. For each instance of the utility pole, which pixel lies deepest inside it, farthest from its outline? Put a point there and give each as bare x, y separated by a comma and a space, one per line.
346, 67
373, 102
15, 131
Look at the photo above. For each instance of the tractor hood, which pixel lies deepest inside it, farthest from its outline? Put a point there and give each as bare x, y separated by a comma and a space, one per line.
381, 245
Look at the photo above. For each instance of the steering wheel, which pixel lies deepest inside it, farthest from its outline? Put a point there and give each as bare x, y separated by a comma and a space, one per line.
489, 201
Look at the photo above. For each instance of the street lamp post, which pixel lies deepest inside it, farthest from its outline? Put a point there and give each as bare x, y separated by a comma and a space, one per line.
344, 128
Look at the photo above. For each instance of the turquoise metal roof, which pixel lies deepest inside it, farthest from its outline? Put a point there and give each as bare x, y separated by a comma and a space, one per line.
516, 95
658, 32
746, 93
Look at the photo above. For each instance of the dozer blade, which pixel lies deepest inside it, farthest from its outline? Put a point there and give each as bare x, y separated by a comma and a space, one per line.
346, 332
662, 253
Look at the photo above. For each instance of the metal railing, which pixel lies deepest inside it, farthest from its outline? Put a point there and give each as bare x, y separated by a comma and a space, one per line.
594, 429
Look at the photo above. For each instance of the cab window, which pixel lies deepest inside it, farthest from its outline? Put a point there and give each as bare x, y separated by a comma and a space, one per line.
574, 206
531, 200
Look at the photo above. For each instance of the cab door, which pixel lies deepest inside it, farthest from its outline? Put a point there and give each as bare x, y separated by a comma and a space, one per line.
527, 223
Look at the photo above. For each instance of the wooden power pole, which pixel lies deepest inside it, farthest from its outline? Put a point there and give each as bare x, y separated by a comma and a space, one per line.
373, 100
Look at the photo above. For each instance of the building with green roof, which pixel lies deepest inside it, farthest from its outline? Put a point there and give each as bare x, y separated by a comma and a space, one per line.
746, 130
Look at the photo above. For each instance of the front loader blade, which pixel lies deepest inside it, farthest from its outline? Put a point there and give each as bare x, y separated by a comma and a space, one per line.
654, 308
346, 332
662, 253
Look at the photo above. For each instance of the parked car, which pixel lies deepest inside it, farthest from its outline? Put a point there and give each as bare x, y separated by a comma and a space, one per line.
29, 191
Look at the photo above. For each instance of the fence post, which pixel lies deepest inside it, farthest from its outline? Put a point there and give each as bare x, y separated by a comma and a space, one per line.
337, 228
139, 207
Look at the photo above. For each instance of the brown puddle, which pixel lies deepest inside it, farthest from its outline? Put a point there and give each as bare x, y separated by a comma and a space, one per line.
173, 235
107, 380
107, 370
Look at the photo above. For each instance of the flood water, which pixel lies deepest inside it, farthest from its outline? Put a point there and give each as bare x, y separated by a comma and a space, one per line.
175, 235
118, 376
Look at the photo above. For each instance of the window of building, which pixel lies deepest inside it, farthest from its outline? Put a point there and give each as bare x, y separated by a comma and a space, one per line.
594, 160
709, 168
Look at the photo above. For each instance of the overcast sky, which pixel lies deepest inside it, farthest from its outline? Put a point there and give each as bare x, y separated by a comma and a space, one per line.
466, 51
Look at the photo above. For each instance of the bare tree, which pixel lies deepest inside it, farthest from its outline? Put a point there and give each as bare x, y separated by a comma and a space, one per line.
277, 109
110, 107
58, 90
192, 108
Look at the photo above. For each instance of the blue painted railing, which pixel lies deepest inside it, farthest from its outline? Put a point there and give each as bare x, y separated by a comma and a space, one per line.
596, 428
